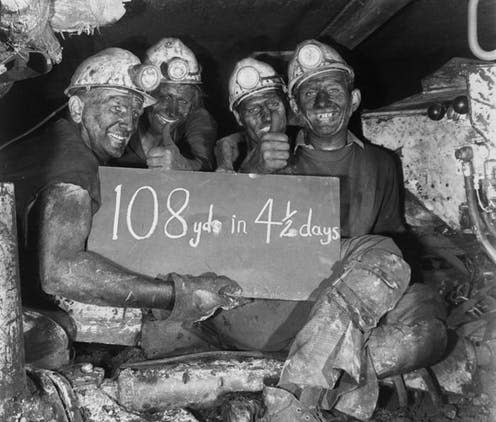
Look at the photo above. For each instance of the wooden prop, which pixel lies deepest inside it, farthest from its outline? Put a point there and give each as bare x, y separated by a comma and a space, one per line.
12, 376
360, 18
196, 380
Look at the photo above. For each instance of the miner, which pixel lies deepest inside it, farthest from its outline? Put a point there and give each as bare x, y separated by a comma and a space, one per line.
58, 193
367, 323
258, 101
177, 132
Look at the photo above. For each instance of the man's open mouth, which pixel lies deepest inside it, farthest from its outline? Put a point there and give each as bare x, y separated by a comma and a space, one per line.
327, 115
118, 138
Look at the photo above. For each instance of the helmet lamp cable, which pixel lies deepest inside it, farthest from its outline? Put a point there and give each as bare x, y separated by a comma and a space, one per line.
26, 133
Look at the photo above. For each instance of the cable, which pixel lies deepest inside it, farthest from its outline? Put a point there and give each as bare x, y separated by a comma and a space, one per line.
477, 224
481, 205
22, 135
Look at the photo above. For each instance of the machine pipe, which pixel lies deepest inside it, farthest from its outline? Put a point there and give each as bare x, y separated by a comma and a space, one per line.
465, 154
473, 40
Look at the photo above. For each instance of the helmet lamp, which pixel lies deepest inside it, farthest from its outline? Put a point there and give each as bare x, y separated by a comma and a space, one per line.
248, 77
310, 56
177, 69
146, 77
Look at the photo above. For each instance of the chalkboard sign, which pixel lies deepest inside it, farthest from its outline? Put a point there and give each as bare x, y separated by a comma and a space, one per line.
277, 236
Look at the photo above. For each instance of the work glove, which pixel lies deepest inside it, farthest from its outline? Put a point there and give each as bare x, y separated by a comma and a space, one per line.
197, 298
167, 155
273, 152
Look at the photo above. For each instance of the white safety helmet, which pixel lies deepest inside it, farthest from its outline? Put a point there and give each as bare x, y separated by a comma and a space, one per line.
312, 58
116, 68
177, 62
251, 76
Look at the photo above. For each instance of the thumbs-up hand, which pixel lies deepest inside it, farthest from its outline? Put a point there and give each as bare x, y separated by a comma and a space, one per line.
166, 156
274, 148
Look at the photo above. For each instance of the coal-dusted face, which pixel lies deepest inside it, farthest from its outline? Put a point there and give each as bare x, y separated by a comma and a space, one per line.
174, 103
257, 111
326, 103
109, 118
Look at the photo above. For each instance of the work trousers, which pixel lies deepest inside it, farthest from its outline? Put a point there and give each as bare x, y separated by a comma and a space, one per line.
367, 323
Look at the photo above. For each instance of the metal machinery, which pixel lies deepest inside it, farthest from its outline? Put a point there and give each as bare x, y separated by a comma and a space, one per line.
446, 139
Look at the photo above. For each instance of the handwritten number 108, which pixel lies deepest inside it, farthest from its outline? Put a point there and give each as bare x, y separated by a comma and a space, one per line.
171, 230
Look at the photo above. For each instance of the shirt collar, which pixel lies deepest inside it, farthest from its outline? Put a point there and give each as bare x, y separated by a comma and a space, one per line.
300, 140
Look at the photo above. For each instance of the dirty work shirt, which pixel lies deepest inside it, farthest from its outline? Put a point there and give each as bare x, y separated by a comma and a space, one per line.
369, 188
195, 139
57, 155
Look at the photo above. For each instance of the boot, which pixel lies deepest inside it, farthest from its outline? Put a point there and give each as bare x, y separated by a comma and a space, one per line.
282, 406
242, 410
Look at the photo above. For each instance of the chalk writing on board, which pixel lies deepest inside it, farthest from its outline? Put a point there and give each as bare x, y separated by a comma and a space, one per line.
176, 226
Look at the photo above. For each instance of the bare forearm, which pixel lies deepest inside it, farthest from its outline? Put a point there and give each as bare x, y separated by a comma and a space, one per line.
90, 278
67, 269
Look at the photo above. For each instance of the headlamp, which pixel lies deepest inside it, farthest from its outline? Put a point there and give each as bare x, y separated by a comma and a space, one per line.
177, 69
146, 77
310, 56
248, 77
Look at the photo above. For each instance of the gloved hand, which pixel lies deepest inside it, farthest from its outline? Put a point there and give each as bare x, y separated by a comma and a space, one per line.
197, 298
167, 155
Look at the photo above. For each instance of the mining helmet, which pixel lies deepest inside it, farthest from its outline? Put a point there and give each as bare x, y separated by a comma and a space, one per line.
177, 62
312, 58
251, 76
116, 68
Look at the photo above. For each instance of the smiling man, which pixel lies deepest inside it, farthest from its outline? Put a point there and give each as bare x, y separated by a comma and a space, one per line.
258, 101
323, 95
58, 192
177, 132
